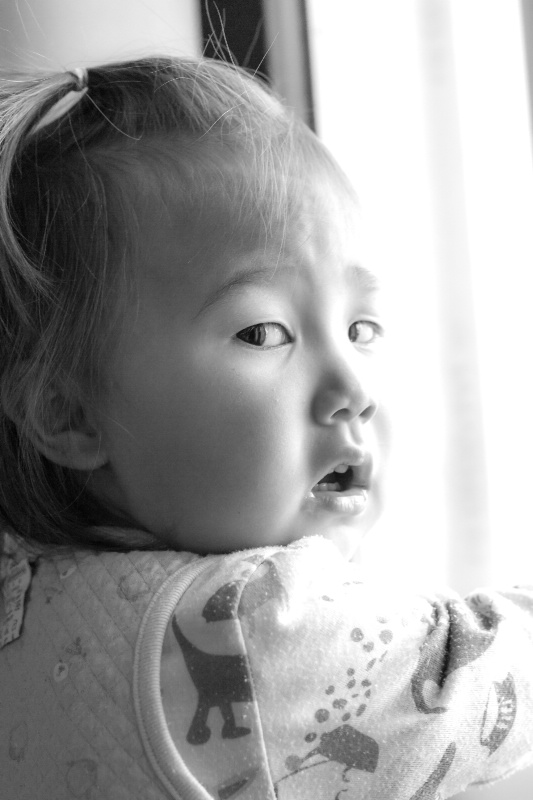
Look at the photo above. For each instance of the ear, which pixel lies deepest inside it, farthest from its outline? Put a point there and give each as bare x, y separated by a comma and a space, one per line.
74, 449
69, 437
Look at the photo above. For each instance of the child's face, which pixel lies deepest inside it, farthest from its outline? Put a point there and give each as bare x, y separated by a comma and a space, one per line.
244, 374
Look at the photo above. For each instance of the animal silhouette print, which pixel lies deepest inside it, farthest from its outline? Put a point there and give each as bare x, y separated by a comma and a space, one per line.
349, 747
220, 681
242, 598
506, 703
344, 745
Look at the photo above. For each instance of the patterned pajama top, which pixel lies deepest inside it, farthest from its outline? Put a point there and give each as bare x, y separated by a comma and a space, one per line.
267, 673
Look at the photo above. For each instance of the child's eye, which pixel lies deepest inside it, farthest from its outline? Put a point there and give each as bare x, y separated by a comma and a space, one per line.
265, 334
364, 332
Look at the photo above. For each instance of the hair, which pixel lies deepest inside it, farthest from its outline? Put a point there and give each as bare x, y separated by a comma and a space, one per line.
66, 205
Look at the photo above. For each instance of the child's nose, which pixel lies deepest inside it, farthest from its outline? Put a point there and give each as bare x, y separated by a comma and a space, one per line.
343, 394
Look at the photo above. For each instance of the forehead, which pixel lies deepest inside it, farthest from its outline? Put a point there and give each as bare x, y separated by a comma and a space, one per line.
227, 208
201, 220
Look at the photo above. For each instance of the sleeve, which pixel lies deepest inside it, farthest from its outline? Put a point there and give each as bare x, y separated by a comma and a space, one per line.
277, 674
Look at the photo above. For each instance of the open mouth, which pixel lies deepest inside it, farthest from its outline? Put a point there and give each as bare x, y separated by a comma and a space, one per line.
339, 480
345, 478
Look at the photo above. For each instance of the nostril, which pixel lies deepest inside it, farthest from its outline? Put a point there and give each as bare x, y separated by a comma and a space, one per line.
343, 414
367, 414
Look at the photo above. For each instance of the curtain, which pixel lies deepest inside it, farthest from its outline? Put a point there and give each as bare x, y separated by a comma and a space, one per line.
425, 103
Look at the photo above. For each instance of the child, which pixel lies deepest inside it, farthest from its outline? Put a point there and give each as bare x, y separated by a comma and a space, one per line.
191, 452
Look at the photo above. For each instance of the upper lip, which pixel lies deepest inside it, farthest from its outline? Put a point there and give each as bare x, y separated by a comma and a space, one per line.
361, 465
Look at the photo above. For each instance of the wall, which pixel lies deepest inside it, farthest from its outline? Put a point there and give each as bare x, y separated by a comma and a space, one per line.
58, 34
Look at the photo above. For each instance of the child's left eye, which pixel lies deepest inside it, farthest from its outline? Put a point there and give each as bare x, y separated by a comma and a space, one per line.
364, 332
265, 335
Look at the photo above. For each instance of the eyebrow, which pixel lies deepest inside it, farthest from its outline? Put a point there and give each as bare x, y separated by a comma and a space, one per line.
366, 279
243, 277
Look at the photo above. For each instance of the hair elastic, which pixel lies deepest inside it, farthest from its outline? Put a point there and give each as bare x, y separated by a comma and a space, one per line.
67, 102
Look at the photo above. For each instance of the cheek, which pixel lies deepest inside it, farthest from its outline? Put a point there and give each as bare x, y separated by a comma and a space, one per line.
215, 428
236, 433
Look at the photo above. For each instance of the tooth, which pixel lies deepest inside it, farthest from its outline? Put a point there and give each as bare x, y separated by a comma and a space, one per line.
342, 468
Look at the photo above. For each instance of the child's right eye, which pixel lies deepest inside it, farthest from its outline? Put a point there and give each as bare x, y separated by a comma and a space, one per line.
265, 334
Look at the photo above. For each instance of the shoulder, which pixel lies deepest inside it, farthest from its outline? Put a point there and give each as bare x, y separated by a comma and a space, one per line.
250, 666
67, 679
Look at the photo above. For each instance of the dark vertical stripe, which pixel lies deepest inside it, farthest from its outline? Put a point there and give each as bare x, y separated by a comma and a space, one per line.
306, 58
234, 30
527, 17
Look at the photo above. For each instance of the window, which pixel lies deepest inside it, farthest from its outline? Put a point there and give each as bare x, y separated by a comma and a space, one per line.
426, 107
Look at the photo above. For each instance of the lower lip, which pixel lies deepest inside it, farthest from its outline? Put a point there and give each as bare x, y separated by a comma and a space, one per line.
350, 503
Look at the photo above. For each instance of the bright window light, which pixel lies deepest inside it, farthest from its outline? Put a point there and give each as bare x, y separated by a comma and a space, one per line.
379, 81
